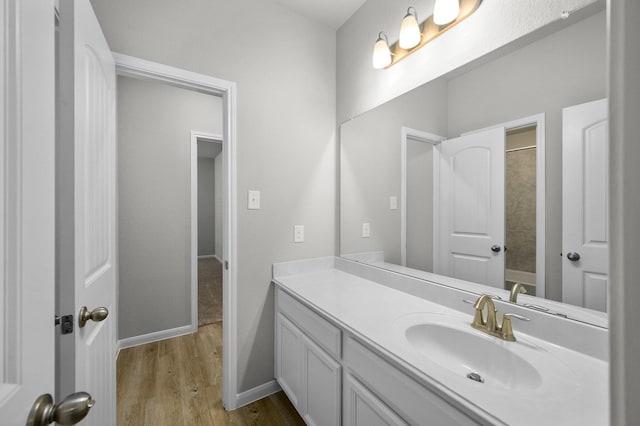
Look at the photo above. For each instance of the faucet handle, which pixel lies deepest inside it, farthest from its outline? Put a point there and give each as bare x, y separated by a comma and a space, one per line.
520, 317
507, 329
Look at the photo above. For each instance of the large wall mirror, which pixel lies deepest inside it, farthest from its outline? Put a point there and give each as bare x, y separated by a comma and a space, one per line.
495, 174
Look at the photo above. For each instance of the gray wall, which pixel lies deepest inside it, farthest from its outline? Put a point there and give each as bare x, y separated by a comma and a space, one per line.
206, 206
420, 205
370, 167
284, 67
154, 124
564, 69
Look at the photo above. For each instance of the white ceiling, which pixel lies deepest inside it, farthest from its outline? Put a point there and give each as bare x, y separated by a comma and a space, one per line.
333, 13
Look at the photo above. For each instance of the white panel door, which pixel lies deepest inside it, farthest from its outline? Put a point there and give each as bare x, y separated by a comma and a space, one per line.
585, 201
95, 225
471, 208
27, 227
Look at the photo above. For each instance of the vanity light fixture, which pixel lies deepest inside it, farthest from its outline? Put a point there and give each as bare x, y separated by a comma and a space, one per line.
445, 11
410, 30
381, 52
446, 15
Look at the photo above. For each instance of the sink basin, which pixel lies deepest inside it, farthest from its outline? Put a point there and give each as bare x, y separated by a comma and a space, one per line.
469, 352
478, 359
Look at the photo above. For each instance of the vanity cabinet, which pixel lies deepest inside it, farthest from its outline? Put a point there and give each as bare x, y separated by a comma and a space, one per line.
363, 408
306, 366
394, 397
332, 378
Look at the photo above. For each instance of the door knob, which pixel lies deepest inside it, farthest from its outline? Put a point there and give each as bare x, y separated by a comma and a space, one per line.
70, 411
574, 257
97, 315
495, 248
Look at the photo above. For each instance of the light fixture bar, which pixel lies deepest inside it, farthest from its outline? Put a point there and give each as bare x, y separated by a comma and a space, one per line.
430, 31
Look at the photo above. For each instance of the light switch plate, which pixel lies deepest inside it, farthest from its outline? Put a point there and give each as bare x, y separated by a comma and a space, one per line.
253, 202
366, 230
393, 203
298, 234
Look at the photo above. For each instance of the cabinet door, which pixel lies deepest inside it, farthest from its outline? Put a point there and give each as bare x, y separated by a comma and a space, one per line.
363, 408
322, 385
289, 359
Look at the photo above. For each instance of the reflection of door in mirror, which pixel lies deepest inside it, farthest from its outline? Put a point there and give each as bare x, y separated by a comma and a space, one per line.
585, 195
470, 218
520, 209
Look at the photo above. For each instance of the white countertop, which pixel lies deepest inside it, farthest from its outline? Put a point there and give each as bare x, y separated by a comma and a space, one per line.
372, 311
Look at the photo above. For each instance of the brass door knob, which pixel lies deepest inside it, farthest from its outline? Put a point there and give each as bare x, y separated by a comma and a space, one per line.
70, 411
97, 315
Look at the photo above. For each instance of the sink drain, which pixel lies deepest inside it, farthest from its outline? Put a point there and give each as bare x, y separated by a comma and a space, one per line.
475, 377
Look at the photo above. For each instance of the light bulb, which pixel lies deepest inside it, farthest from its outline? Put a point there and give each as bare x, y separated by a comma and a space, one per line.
445, 11
381, 52
410, 30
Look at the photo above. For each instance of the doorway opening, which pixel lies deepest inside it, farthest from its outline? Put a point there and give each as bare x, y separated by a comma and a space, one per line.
207, 206
419, 171
128, 66
520, 209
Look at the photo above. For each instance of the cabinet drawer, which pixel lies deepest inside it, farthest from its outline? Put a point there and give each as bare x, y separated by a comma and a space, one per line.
320, 330
412, 401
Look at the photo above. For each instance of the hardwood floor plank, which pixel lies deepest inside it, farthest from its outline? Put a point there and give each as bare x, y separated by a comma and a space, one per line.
179, 382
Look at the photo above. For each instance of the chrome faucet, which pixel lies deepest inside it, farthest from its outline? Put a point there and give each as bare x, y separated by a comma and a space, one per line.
489, 324
515, 290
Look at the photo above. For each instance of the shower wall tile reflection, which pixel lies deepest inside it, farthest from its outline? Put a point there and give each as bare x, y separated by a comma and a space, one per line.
521, 201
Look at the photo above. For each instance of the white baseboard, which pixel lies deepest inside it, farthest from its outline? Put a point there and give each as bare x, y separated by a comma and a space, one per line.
259, 392
210, 256
130, 342
206, 256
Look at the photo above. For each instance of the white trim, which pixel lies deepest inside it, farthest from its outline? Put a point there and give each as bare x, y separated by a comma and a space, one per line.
139, 68
539, 121
420, 136
208, 256
259, 392
193, 257
143, 339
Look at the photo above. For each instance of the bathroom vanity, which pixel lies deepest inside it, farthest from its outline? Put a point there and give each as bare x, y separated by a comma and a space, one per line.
360, 345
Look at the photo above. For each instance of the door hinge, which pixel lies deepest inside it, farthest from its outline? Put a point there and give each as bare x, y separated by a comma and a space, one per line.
226, 264
66, 323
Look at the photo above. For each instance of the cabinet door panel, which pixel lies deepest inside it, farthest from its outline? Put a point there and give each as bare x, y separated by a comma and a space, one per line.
363, 408
288, 359
322, 385
411, 400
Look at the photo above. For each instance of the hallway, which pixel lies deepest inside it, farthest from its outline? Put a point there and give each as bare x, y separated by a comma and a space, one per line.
209, 291
179, 382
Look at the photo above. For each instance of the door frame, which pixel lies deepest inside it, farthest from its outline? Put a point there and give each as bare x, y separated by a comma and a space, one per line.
430, 138
196, 137
537, 120
129, 66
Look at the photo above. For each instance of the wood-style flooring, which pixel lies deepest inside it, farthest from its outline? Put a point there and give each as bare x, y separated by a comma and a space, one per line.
209, 291
179, 382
